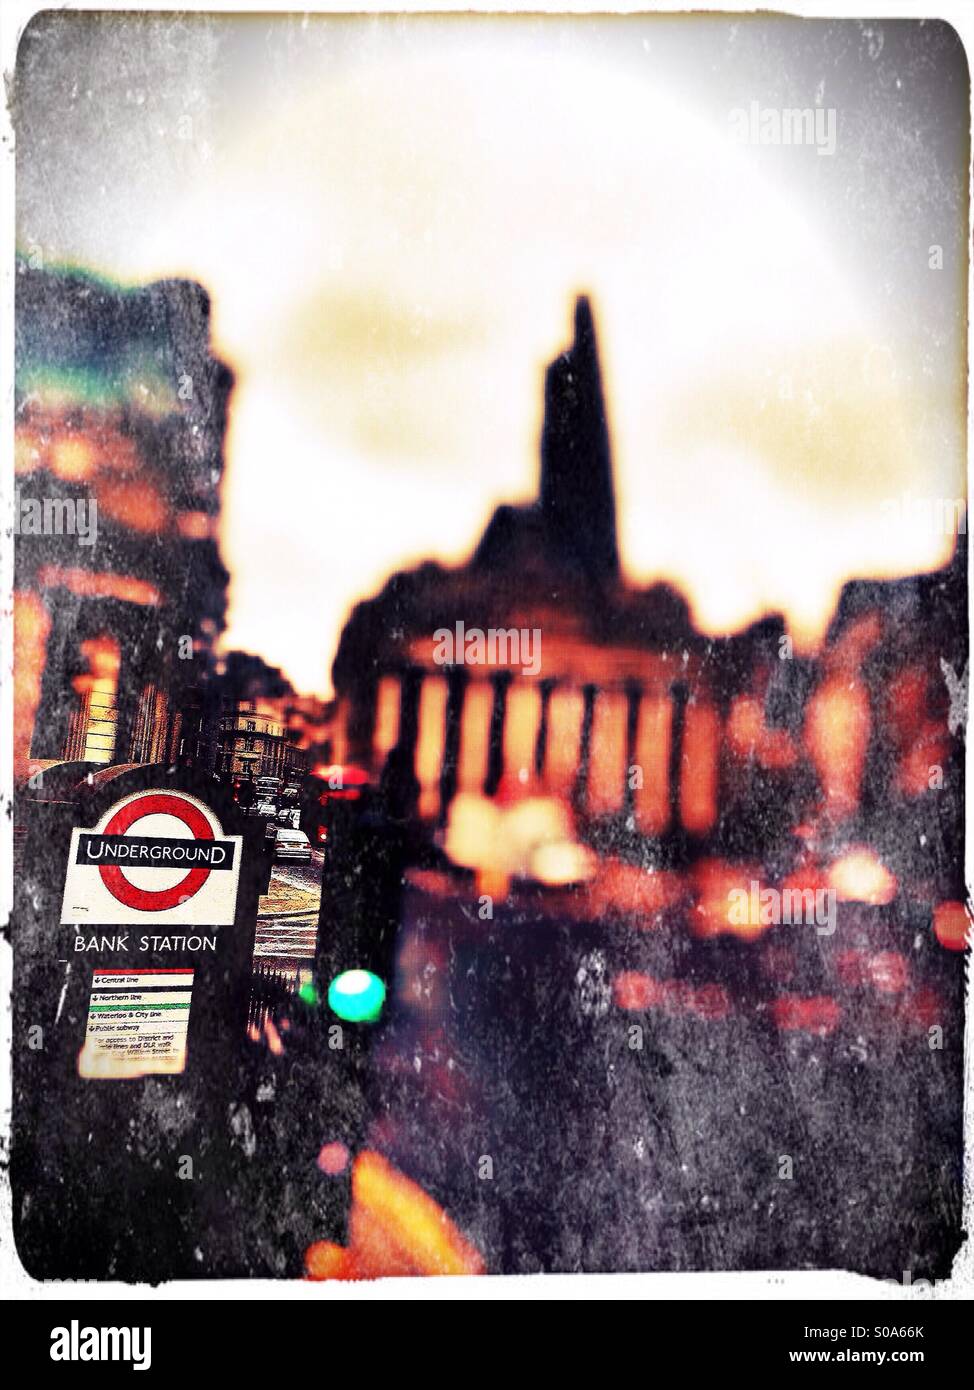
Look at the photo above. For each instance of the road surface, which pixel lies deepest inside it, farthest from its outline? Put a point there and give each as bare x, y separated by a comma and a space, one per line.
287, 920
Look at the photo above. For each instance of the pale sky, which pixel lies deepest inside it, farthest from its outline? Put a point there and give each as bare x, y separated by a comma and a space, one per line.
392, 216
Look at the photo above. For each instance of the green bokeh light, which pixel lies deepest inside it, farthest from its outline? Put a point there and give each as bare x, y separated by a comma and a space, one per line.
357, 996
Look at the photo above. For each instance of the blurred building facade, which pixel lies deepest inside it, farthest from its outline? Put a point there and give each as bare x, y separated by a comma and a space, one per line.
266, 729
253, 744
121, 410
556, 848
662, 741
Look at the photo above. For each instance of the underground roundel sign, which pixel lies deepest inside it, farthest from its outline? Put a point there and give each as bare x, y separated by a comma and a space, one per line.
155, 856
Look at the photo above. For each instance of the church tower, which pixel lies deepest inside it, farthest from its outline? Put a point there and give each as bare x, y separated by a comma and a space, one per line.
577, 500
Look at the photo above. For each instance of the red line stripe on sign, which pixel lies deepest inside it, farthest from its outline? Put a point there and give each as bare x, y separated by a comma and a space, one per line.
148, 970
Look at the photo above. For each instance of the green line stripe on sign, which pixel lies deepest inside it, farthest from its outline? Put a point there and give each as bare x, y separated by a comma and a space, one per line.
132, 1008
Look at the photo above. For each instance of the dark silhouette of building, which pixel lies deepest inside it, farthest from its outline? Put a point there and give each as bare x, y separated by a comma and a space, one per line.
571, 528
120, 407
645, 726
577, 495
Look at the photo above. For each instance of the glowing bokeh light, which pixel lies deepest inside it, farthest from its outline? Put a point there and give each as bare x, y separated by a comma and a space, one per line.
860, 876
952, 926
357, 996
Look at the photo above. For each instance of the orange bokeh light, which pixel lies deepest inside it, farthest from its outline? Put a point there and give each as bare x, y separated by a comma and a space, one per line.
629, 888
333, 1158
860, 876
634, 991
749, 737
73, 458
137, 505
196, 526
698, 777
714, 913
31, 627
89, 584
837, 729
819, 1015
951, 925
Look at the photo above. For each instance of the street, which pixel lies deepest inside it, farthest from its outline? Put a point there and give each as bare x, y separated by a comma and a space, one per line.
288, 914
701, 1130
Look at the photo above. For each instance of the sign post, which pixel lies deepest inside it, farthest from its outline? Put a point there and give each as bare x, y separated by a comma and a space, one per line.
133, 943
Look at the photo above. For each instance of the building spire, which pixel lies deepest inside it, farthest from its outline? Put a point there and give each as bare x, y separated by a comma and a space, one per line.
577, 493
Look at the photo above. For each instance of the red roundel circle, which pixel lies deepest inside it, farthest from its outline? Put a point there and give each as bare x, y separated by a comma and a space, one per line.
146, 899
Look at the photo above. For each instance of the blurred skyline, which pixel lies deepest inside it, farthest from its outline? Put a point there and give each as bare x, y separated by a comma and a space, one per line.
392, 217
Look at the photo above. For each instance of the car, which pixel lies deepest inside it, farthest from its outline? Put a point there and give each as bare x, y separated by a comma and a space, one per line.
292, 845
266, 808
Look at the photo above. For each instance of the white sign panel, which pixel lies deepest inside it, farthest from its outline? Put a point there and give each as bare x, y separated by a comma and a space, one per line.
156, 857
137, 1023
